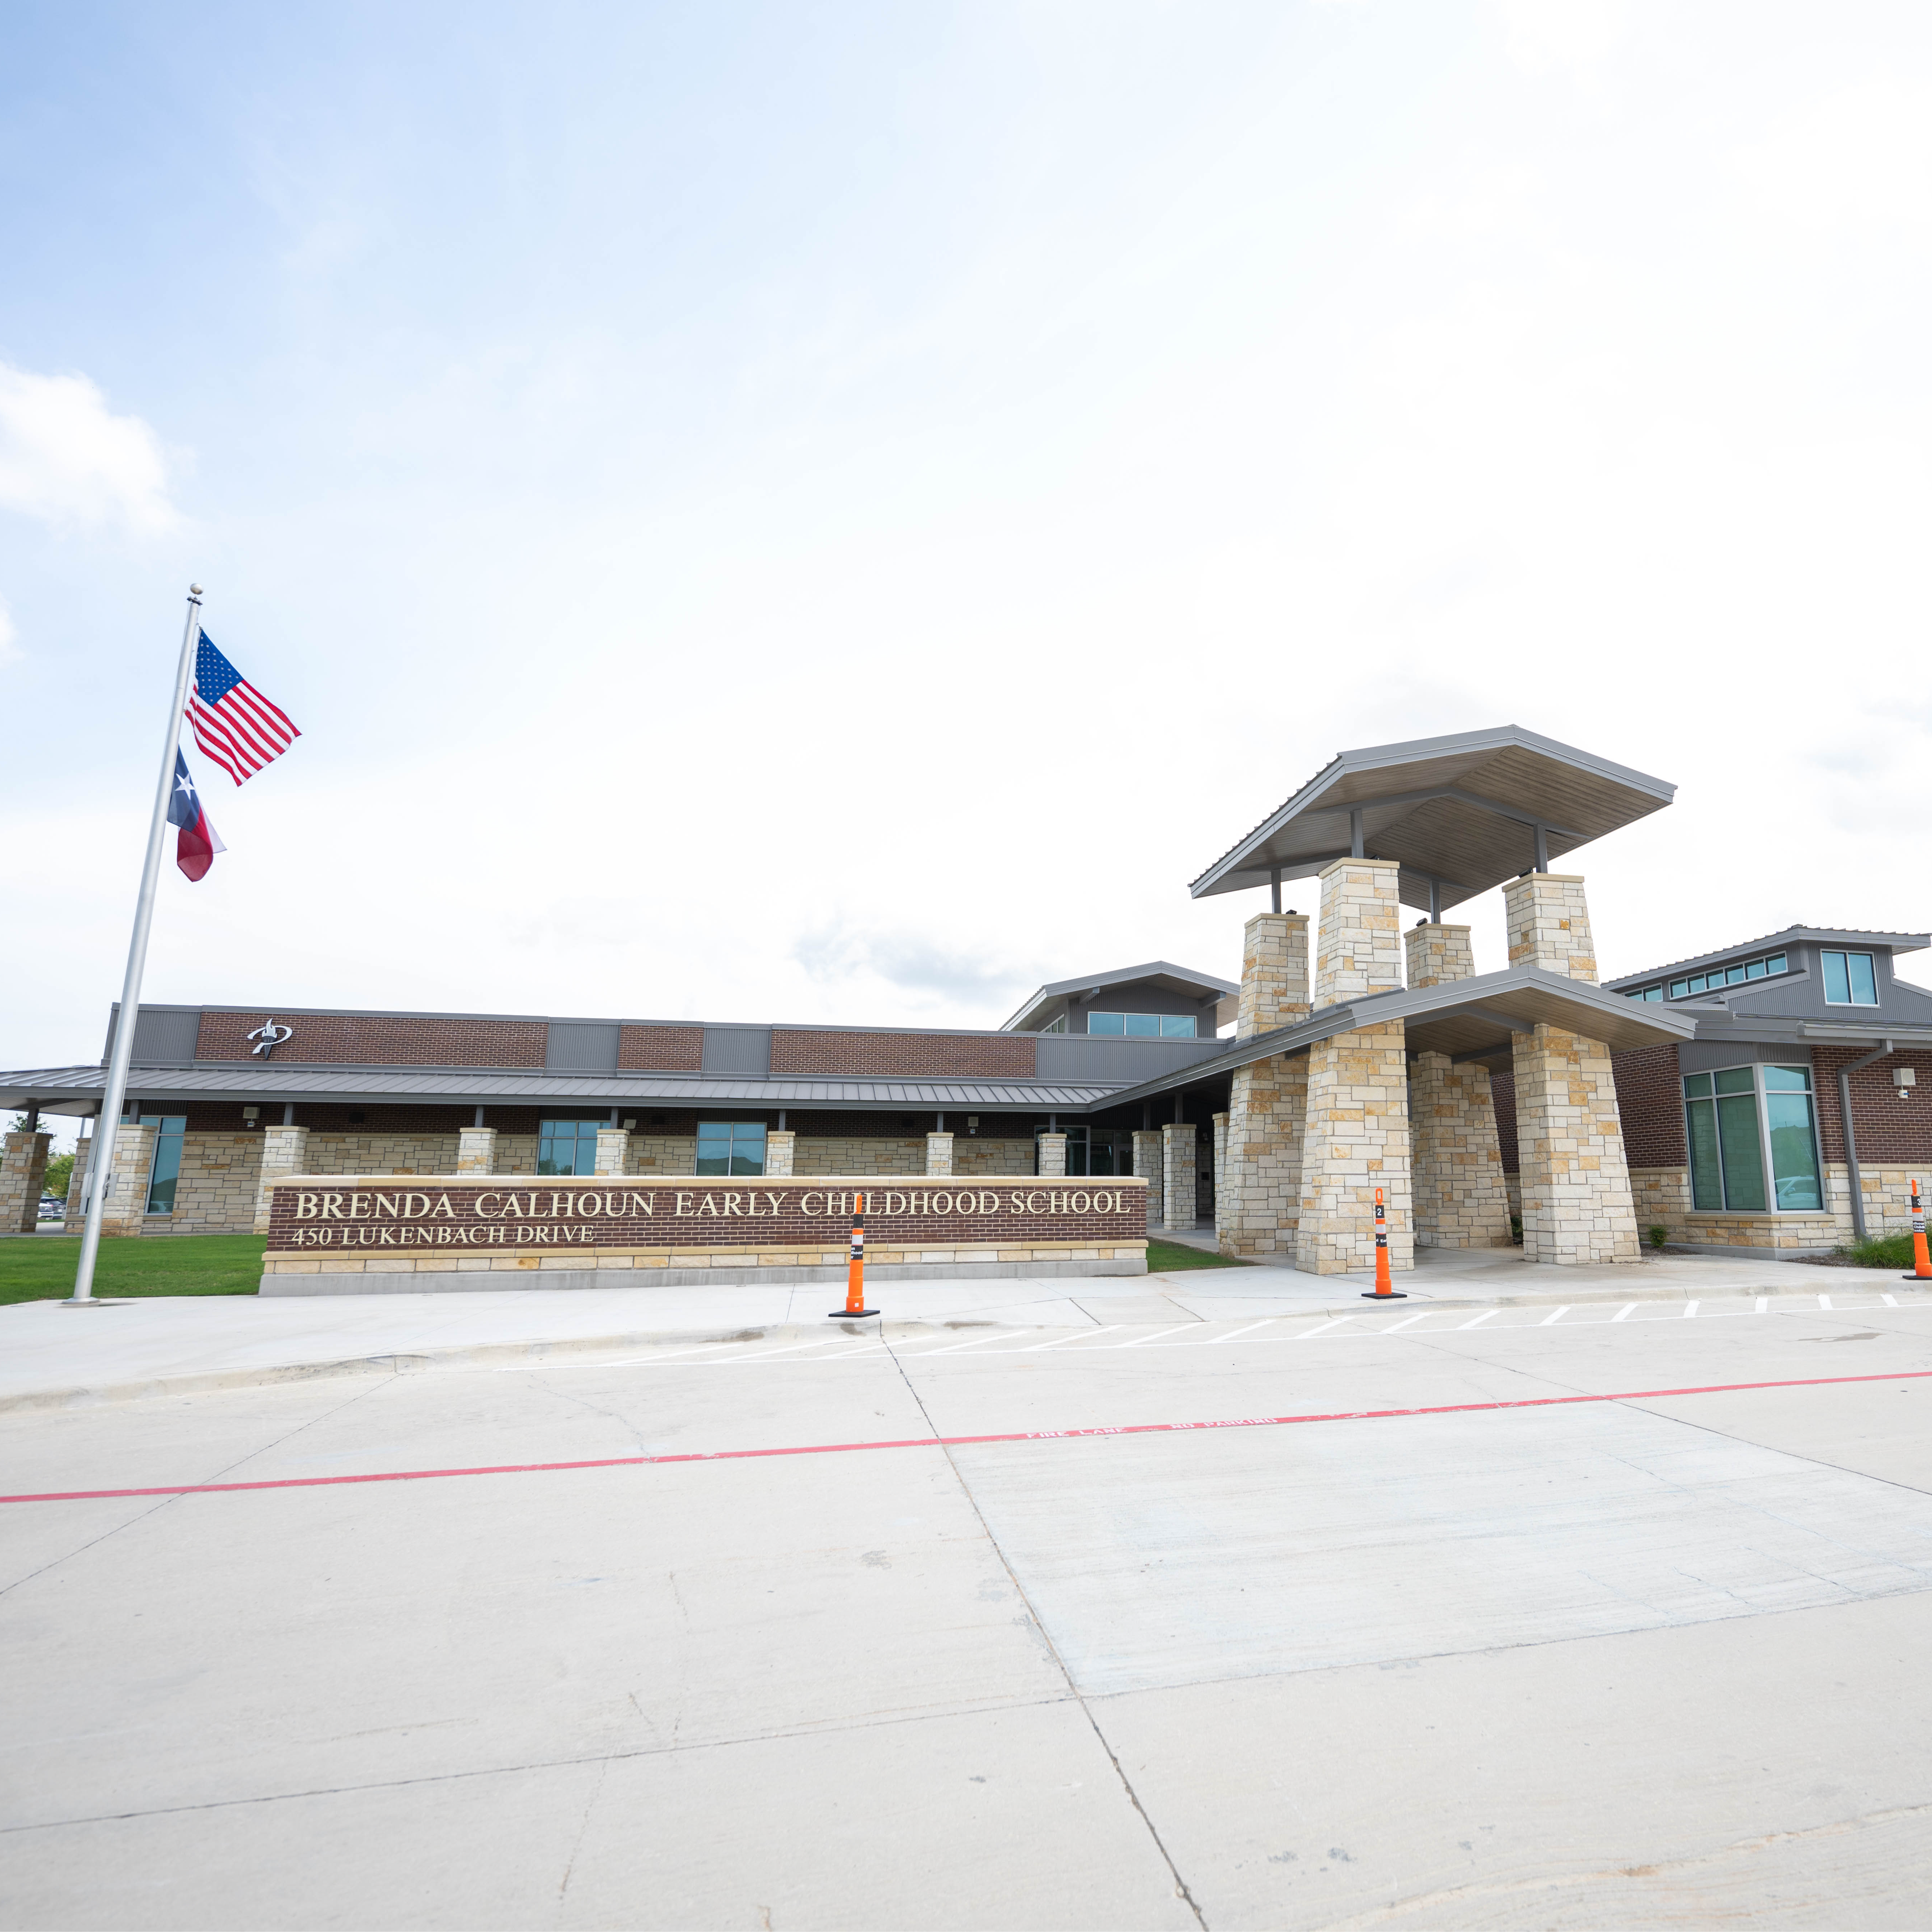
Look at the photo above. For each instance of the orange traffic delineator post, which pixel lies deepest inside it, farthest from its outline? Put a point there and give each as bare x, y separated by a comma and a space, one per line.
1921, 1265
1384, 1289
855, 1269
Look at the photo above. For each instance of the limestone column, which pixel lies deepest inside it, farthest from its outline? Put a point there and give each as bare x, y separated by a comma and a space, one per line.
76, 1186
1220, 1168
1176, 1175
1461, 1198
1576, 1202
781, 1150
126, 1207
613, 1151
1258, 1192
1357, 1138
1053, 1155
476, 1150
22, 1171
1146, 1167
939, 1154
284, 1152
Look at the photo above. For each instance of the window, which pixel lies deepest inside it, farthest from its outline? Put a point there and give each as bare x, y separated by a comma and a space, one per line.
1849, 979
1644, 993
1058, 1026
1725, 976
1143, 1026
1731, 1118
730, 1147
165, 1174
567, 1146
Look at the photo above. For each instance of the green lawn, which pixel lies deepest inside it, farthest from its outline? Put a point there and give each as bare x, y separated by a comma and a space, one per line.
1165, 1257
40, 1267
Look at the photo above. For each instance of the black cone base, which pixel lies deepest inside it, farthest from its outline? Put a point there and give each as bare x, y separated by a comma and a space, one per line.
1395, 1294
849, 1314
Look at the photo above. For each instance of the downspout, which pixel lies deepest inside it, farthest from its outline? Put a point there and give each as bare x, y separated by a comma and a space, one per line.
1845, 1073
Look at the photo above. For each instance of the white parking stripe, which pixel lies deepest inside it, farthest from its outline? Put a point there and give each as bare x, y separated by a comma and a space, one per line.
1551, 1320
1397, 1326
1080, 1335
1248, 1330
1623, 1312
1488, 1314
1141, 1341
1690, 1311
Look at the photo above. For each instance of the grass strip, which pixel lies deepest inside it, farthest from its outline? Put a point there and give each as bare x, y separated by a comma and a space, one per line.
40, 1267
1168, 1257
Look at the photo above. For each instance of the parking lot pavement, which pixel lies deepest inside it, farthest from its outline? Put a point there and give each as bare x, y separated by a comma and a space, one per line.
1529, 1616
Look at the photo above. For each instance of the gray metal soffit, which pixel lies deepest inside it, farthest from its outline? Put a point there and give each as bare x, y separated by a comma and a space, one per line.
1461, 814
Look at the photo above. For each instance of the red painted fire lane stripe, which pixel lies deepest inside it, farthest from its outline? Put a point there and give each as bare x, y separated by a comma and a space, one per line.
961, 1442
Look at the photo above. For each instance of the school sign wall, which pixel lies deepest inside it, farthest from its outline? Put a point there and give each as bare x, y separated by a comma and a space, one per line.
339, 1235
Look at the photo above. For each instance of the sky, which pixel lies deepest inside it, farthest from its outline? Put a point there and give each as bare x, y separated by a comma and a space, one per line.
840, 512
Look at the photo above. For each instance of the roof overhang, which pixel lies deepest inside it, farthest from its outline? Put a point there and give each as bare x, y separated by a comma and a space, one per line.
1459, 814
1161, 974
1467, 1019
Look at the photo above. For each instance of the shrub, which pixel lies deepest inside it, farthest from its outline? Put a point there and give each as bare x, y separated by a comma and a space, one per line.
1880, 1251
1658, 1235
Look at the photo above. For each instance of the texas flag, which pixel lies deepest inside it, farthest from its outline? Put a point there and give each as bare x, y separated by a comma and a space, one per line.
198, 842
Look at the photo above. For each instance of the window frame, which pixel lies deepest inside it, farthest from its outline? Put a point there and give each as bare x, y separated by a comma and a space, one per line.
577, 1140
1768, 1172
1845, 955
1166, 1026
732, 1129
162, 1137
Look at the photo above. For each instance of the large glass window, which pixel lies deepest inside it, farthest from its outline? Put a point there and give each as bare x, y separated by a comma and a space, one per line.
730, 1147
164, 1175
1849, 979
1143, 1026
567, 1146
1731, 1117
1772, 964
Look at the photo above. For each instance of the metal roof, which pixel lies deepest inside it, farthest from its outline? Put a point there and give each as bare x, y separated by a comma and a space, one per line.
1160, 973
1467, 1019
1826, 935
1462, 814
67, 1090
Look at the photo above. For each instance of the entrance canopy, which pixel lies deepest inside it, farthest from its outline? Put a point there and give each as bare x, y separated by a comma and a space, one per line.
1458, 815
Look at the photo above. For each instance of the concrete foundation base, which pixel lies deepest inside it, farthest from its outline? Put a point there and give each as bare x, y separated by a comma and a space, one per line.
469, 1281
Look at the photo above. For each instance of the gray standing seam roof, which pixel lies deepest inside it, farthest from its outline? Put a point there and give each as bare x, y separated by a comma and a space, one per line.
1460, 813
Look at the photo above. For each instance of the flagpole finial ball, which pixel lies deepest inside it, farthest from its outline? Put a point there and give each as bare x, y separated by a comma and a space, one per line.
194, 590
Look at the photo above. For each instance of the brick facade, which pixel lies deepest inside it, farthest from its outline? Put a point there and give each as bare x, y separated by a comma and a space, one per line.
380, 1039
908, 1056
1650, 1099
661, 1049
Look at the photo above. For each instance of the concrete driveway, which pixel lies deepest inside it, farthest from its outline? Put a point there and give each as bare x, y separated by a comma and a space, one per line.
1508, 1639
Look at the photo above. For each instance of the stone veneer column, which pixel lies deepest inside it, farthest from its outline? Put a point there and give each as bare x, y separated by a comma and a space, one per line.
1177, 1174
1357, 1138
22, 1172
1053, 1155
1577, 1203
76, 1186
613, 1151
1146, 1167
781, 1150
939, 1155
126, 1207
476, 1150
1220, 1168
284, 1152
1461, 1200
1258, 1192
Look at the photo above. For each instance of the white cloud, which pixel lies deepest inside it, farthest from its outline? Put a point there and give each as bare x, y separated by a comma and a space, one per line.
66, 459
1541, 35
1861, 158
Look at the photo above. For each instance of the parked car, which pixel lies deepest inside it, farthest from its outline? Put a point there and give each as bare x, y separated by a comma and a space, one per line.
52, 1208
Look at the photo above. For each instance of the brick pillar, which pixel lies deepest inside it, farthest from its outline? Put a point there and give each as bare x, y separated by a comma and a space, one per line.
1146, 1167
1461, 1200
76, 1186
613, 1151
476, 1150
284, 1152
1176, 1175
1576, 1202
939, 1154
781, 1149
1053, 1154
1357, 1138
1257, 1190
126, 1207
22, 1172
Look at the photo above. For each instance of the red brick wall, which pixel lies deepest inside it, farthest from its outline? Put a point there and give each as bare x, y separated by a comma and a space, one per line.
661, 1049
380, 1039
1502, 1086
1892, 1132
1650, 1102
915, 1056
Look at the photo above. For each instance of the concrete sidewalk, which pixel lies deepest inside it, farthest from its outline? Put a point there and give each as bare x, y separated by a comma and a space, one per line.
51, 1356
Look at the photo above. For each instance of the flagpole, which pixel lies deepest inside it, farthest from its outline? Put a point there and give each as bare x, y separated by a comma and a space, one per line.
101, 1167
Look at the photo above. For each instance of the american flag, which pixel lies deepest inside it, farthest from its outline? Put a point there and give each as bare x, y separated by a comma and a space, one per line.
234, 724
